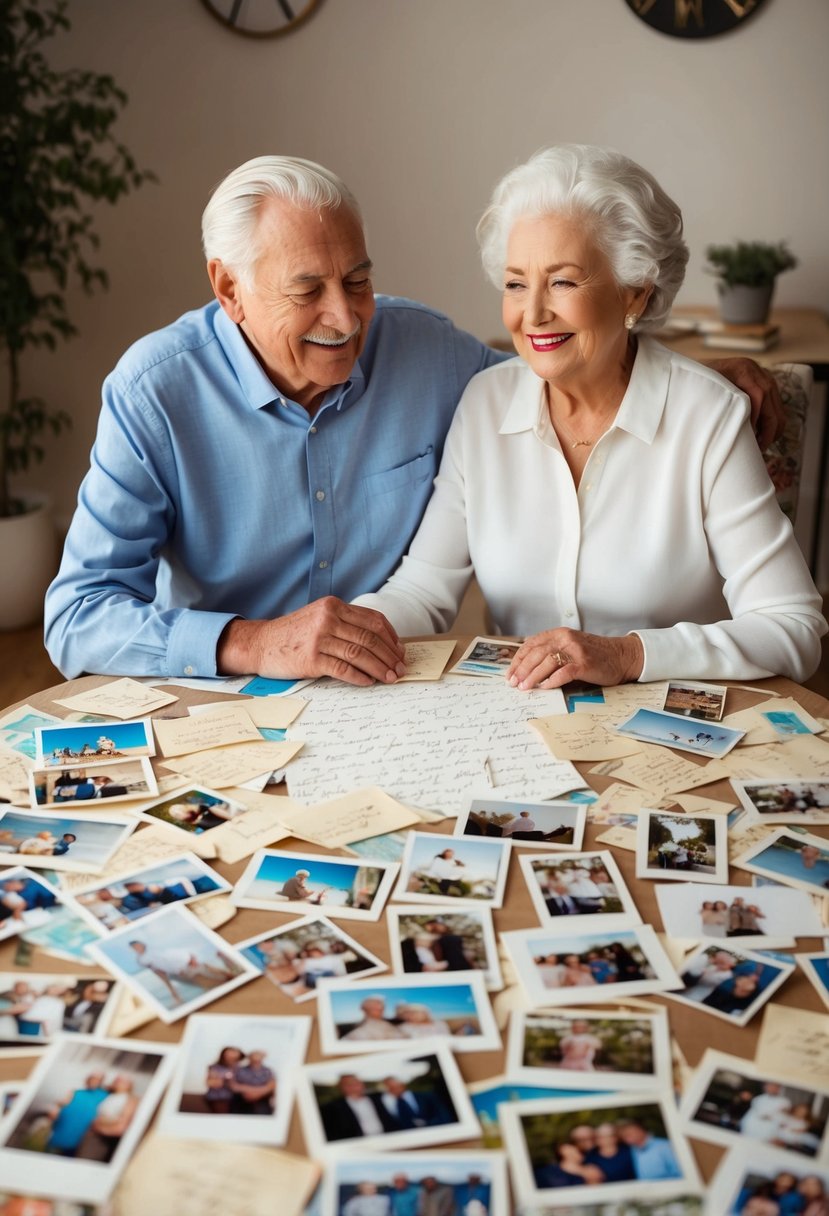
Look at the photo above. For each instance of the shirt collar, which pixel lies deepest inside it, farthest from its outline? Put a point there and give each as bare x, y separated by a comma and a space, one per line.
254, 382
640, 411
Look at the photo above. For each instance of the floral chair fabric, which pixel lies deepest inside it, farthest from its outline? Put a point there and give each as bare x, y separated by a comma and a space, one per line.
784, 459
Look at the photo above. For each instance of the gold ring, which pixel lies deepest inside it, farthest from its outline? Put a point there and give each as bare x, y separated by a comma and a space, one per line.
561, 660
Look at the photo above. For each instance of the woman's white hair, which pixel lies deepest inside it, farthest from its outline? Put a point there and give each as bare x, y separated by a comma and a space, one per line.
230, 222
635, 223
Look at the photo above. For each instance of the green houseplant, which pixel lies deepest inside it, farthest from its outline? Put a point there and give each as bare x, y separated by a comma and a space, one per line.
747, 271
58, 159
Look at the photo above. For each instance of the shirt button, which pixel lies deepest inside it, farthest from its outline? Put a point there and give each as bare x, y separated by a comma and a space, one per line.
323, 565
313, 430
281, 400
589, 486
320, 495
188, 671
568, 616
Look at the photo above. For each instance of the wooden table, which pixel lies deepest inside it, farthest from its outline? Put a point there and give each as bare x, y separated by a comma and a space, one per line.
694, 1031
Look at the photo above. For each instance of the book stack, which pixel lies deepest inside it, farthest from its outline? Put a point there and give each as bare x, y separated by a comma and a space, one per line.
720, 336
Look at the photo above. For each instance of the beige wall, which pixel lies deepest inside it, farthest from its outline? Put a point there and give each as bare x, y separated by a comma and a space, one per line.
421, 105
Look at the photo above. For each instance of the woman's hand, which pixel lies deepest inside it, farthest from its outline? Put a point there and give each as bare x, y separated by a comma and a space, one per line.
557, 656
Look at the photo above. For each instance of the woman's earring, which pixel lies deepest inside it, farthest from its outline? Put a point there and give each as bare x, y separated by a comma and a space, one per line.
630, 320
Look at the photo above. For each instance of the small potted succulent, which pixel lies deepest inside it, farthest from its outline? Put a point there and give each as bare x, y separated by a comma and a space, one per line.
747, 271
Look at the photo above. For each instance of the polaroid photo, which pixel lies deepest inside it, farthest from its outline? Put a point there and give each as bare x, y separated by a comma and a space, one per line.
682, 847
192, 810
749, 1182
173, 962
465, 871
485, 657
307, 882
486, 1097
297, 956
118, 902
66, 746
787, 724
586, 888
784, 799
471, 1182
816, 969
394, 1100
424, 1009
28, 901
36, 1006
686, 699
17, 729
622, 1146
729, 981
758, 916
673, 730
558, 967
798, 860
83, 843
388, 846
79, 783
234, 1079
532, 825
444, 939
581, 696
587, 1049
49, 1137
730, 1100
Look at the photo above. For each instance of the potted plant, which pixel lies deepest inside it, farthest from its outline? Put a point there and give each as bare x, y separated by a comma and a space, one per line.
58, 157
747, 271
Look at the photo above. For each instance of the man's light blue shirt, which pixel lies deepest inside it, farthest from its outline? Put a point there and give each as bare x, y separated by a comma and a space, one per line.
211, 495
655, 1160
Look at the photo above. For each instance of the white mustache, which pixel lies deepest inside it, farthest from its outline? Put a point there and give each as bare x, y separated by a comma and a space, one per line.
337, 338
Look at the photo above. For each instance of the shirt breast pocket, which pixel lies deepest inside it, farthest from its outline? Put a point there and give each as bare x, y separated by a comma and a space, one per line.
395, 499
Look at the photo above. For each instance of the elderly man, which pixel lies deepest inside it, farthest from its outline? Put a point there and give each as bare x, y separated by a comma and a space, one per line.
266, 457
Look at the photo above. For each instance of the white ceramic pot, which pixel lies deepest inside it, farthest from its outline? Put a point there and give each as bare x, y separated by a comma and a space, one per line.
741, 305
28, 561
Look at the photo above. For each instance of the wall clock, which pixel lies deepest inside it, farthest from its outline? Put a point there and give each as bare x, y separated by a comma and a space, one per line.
261, 18
694, 18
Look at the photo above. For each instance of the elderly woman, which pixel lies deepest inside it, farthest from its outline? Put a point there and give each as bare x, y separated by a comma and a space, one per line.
608, 493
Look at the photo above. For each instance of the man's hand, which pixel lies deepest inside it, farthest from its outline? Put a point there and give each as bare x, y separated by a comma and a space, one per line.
768, 415
326, 638
557, 656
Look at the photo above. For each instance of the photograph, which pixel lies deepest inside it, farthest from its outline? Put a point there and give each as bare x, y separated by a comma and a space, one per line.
816, 969
193, 810
682, 847
443, 939
80, 1114
84, 843
800, 861
730, 1099
673, 730
690, 700
17, 729
768, 1183
785, 799
788, 723
465, 871
367, 1016
34, 1008
65, 745
613, 1147
122, 900
769, 916
302, 882
26, 901
173, 962
537, 825
602, 965
440, 1183
730, 982
234, 1078
586, 1049
486, 1097
485, 657
78, 784
397, 1099
300, 954
588, 886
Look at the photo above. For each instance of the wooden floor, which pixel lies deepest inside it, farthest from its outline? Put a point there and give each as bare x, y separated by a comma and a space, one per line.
25, 667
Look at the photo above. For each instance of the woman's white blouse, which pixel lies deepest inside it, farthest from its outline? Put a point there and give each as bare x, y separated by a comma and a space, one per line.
674, 532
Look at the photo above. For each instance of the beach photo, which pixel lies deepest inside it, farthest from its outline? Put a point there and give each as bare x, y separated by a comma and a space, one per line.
471, 1183
183, 879
729, 981
681, 847
304, 882
674, 730
84, 843
785, 800
689, 700
436, 869
800, 861
193, 810
486, 657
537, 825
36, 1006
588, 1049
586, 888
296, 957
78, 784
443, 939
66, 744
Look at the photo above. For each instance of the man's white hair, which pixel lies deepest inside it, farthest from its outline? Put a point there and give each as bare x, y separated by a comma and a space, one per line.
230, 222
